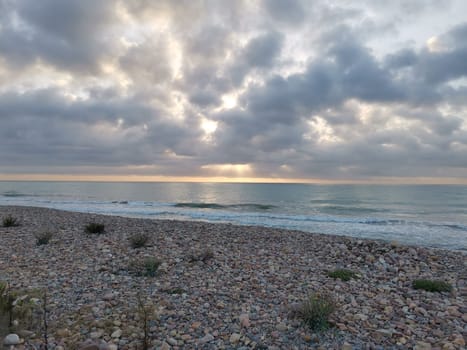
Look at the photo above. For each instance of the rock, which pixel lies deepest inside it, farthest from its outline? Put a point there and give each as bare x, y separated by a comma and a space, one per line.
346, 346
96, 335
172, 341
164, 346
195, 325
109, 296
11, 339
234, 338
89, 347
26, 334
116, 334
282, 327
422, 346
206, 339
459, 341
244, 320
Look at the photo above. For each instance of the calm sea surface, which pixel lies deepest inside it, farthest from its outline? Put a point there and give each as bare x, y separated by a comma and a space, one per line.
428, 215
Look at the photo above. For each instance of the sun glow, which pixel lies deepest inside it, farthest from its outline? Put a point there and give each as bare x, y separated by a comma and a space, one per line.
234, 170
209, 127
229, 101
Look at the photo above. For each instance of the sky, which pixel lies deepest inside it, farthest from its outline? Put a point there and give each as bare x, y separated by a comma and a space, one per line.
245, 90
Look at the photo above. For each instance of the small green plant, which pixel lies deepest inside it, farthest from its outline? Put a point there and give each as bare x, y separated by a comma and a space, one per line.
203, 256
147, 267
315, 311
16, 307
432, 286
144, 311
343, 274
139, 240
176, 290
94, 227
10, 221
43, 237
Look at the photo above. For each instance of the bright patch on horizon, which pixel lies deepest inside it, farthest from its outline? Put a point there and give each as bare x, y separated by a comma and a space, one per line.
228, 169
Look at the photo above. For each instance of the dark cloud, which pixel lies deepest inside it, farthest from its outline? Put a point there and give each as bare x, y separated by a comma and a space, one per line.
128, 86
72, 35
290, 12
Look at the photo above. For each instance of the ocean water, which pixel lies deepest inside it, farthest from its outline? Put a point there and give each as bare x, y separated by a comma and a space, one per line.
424, 215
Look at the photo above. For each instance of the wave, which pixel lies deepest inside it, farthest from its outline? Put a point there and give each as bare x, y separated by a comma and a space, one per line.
15, 194
349, 209
245, 206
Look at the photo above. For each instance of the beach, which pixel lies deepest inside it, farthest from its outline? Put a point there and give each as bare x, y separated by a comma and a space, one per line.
238, 295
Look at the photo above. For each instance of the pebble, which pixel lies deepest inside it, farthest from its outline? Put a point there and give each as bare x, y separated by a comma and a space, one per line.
117, 333
11, 339
240, 298
206, 339
234, 338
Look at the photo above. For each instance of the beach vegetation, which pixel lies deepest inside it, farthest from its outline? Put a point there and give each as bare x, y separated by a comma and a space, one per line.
17, 308
43, 237
342, 274
139, 240
315, 311
203, 256
94, 228
10, 221
432, 285
146, 267
144, 311
176, 290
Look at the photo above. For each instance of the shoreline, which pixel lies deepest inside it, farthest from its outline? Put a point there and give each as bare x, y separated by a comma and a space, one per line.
242, 297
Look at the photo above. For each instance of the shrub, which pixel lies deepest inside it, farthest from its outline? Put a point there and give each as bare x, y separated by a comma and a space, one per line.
343, 274
138, 240
146, 267
432, 286
176, 290
10, 221
43, 237
16, 308
94, 227
315, 311
203, 256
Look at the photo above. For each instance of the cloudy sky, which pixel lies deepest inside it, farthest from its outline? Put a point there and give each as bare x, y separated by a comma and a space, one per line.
368, 90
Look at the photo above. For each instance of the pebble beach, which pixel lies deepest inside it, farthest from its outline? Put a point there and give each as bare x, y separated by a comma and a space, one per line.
242, 297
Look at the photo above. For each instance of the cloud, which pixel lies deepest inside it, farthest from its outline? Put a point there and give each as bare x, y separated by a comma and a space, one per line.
288, 89
74, 35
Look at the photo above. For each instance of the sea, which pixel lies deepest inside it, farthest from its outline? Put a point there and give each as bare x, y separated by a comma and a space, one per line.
422, 215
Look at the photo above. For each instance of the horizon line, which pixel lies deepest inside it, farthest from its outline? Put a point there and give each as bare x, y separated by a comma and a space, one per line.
217, 179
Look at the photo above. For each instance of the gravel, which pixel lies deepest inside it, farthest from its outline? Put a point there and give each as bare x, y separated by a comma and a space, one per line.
239, 297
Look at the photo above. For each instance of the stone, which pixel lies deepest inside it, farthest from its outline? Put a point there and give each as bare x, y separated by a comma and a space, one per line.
195, 325
96, 335
89, 347
116, 334
26, 334
164, 346
234, 338
422, 346
244, 320
172, 341
282, 327
346, 346
206, 339
459, 341
11, 339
